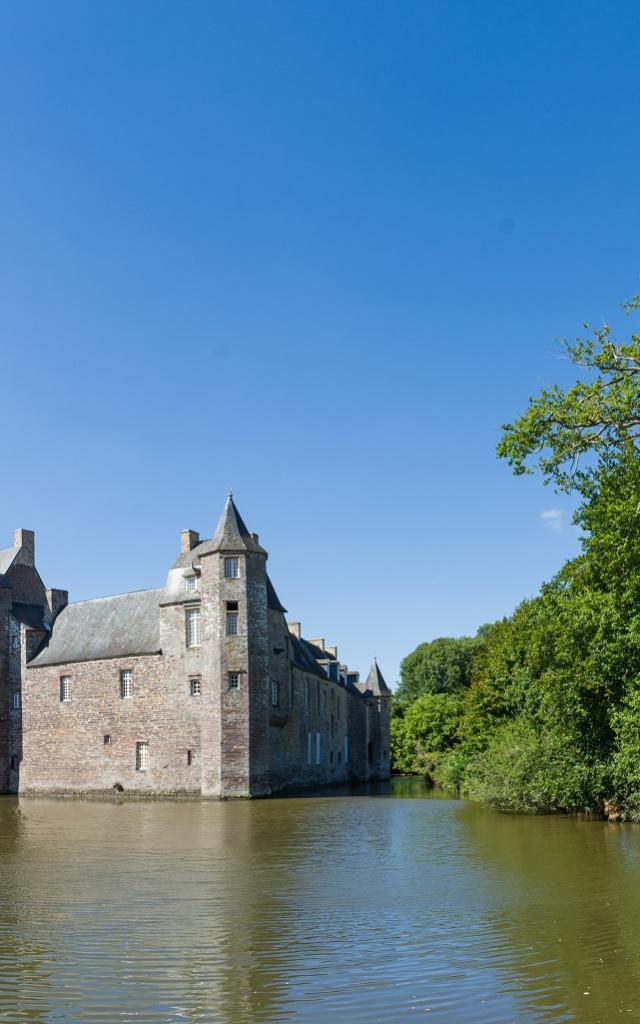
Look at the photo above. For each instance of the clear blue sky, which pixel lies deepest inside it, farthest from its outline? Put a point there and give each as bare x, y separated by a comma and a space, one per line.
317, 252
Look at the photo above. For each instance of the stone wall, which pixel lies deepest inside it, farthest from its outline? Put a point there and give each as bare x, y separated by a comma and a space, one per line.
65, 742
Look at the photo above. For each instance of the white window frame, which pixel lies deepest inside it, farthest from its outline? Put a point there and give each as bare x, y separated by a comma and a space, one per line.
195, 686
232, 569
65, 689
191, 584
126, 684
193, 626
233, 680
142, 756
318, 748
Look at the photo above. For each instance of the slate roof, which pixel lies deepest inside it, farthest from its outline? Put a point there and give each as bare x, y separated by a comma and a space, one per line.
7, 556
273, 601
231, 535
107, 627
375, 683
303, 657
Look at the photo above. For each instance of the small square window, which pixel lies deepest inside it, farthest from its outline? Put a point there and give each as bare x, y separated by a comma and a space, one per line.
195, 686
65, 688
191, 584
231, 569
234, 680
142, 757
126, 683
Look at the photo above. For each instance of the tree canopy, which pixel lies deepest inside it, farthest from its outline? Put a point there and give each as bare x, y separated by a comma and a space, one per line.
544, 706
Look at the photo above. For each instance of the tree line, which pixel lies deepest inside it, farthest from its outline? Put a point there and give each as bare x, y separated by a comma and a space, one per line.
540, 711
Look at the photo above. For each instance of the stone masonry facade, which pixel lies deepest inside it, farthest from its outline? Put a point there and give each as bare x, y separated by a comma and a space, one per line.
200, 688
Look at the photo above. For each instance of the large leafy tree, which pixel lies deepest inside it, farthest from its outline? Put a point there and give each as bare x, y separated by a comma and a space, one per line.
441, 666
568, 431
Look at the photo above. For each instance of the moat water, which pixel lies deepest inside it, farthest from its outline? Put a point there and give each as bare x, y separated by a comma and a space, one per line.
393, 907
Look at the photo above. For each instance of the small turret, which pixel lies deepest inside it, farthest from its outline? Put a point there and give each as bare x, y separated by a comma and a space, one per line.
232, 534
375, 684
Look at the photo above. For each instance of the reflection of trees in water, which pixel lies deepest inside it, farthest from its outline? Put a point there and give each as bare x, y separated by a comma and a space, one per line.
563, 902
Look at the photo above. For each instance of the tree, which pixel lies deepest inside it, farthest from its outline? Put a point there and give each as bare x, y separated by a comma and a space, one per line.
599, 416
441, 666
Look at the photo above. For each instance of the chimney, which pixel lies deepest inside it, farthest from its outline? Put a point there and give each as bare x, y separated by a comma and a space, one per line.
318, 643
56, 600
295, 628
332, 652
26, 541
188, 540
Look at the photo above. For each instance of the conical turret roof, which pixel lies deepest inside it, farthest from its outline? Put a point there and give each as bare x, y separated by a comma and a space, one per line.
231, 533
375, 683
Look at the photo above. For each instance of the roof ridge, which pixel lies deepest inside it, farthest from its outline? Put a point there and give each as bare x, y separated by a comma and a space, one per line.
109, 597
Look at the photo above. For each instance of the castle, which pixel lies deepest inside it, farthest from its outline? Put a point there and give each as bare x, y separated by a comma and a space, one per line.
199, 688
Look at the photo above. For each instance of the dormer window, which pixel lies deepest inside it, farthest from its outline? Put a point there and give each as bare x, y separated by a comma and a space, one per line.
231, 569
191, 584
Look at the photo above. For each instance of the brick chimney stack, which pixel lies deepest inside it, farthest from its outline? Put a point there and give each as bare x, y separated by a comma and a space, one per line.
26, 541
56, 600
188, 540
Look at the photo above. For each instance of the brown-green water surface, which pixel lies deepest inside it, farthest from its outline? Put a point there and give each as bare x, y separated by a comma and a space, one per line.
388, 906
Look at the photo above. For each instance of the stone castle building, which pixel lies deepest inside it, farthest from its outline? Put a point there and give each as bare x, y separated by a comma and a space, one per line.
198, 688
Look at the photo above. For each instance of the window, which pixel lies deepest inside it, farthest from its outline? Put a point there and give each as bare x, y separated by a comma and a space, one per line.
309, 746
65, 688
142, 757
346, 750
233, 680
275, 693
231, 569
307, 697
16, 701
232, 618
339, 757
317, 748
189, 757
318, 696
107, 740
191, 584
14, 762
195, 687
126, 683
193, 627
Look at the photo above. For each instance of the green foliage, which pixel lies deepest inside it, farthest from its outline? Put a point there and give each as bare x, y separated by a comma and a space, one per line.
599, 415
541, 711
422, 730
442, 666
